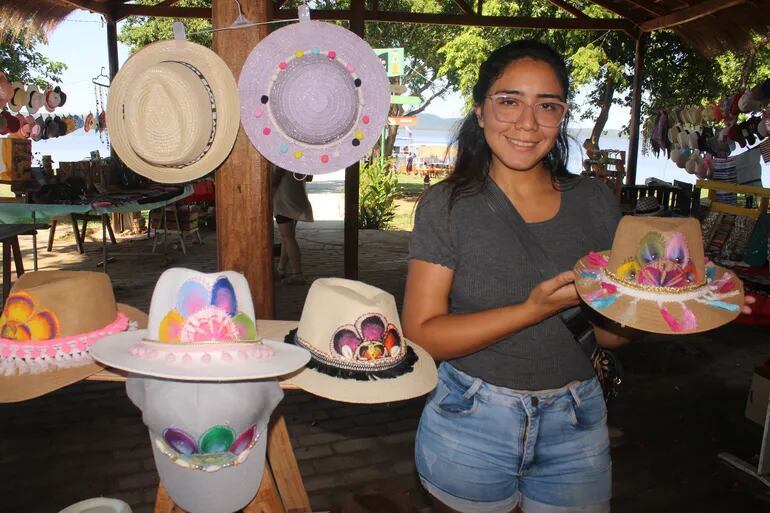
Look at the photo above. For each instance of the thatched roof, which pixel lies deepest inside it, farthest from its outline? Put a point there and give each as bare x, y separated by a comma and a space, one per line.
710, 26
33, 16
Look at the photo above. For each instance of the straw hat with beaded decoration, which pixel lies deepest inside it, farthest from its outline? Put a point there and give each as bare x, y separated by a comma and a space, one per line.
656, 279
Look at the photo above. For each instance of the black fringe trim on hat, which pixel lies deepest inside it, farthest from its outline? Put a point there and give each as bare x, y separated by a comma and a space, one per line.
405, 366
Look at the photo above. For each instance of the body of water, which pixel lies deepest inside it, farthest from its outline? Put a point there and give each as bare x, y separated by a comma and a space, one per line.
648, 166
79, 144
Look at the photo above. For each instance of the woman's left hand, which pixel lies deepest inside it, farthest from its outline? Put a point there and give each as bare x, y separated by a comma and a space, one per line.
747, 300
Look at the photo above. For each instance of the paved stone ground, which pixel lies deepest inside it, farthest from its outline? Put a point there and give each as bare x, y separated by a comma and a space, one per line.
682, 404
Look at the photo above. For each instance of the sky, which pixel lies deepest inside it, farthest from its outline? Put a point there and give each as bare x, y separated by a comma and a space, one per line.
80, 41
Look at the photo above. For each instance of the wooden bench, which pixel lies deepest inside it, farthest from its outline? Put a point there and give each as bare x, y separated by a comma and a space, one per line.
761, 194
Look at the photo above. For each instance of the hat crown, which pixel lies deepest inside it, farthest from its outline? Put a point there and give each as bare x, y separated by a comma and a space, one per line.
164, 111
659, 252
45, 305
206, 436
351, 323
192, 307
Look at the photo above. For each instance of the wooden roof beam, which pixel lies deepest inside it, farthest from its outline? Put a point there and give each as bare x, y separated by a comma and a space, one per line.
470, 20
688, 14
610, 6
464, 7
651, 7
574, 11
90, 5
168, 12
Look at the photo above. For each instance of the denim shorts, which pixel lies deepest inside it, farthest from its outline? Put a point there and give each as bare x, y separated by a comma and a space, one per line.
482, 448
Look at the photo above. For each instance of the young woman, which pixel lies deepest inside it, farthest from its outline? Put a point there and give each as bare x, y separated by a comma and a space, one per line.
518, 419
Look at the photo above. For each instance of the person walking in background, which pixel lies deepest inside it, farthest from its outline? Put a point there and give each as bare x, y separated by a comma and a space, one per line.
290, 204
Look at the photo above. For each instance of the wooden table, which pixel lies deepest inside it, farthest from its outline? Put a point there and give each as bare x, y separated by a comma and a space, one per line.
281, 489
9, 235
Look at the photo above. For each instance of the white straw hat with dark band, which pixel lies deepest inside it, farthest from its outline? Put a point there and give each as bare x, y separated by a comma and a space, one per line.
173, 111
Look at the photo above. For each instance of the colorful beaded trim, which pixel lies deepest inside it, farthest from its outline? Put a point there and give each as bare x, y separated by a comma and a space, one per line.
207, 353
35, 357
353, 132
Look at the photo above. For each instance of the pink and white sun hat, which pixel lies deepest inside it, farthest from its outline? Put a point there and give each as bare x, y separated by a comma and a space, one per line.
314, 97
201, 328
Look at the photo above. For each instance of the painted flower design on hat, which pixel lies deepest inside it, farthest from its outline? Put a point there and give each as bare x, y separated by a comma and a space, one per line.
372, 338
21, 320
206, 313
660, 268
218, 447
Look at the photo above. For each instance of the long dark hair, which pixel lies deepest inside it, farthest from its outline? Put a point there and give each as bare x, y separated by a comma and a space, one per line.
473, 154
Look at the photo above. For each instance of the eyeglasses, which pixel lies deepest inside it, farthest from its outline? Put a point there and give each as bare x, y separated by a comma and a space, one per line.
508, 109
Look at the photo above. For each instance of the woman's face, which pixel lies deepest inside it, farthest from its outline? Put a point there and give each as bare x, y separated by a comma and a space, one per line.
521, 146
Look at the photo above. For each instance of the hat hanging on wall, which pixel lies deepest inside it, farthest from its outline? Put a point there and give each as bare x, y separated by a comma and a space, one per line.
19, 98
656, 279
173, 111
314, 97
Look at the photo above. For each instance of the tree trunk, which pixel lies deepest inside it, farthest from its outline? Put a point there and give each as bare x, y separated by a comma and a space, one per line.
605, 104
390, 134
748, 67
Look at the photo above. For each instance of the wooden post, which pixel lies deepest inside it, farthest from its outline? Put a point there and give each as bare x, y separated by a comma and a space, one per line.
636, 108
351, 173
244, 213
112, 47
119, 221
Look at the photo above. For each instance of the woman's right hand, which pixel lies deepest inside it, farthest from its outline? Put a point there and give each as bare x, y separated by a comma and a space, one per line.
554, 295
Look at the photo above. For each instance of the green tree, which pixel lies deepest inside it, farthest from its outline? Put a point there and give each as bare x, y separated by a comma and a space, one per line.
21, 62
139, 31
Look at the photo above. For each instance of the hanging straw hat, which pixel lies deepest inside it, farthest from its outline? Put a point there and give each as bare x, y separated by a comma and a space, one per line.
314, 97
173, 111
201, 328
359, 354
50, 321
19, 98
36, 99
656, 279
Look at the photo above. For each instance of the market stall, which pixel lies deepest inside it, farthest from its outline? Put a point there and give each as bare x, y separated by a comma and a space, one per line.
242, 177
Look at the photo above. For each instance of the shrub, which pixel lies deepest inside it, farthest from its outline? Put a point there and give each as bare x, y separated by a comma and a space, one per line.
377, 191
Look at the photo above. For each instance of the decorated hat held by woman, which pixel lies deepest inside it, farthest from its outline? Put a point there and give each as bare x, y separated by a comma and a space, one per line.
201, 328
50, 321
359, 354
656, 279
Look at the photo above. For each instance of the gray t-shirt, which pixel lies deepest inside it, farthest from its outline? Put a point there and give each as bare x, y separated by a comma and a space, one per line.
492, 270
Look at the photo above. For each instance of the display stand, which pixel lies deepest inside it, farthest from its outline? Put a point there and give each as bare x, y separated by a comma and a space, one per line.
281, 489
762, 470
761, 194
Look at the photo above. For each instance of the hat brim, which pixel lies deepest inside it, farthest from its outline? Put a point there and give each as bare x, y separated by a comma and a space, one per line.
113, 351
223, 87
262, 67
645, 314
421, 380
21, 387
